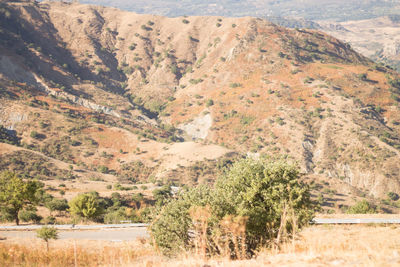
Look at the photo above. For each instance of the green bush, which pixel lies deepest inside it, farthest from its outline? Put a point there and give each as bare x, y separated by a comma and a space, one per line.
29, 216
121, 214
253, 195
209, 102
103, 169
49, 220
86, 206
57, 205
393, 196
361, 207
34, 134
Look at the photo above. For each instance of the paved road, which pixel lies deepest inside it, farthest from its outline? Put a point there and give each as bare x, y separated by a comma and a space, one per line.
75, 227
355, 221
124, 234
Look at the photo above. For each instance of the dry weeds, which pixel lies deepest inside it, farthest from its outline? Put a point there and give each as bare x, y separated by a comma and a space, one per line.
315, 246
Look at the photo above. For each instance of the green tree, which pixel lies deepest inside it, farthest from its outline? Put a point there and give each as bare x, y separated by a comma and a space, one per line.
86, 206
265, 196
15, 194
162, 194
47, 233
57, 205
29, 214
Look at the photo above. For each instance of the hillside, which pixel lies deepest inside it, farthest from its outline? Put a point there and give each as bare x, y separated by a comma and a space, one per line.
375, 38
308, 9
92, 96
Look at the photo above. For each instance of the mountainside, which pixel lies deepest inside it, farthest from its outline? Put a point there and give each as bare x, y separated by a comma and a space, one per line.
376, 38
93, 95
338, 10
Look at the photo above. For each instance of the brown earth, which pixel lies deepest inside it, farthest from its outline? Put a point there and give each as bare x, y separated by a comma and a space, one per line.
144, 98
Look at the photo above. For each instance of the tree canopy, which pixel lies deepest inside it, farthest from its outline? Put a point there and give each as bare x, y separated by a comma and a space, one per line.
86, 206
15, 194
253, 202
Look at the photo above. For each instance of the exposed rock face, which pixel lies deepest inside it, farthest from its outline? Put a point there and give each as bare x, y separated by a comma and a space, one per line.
199, 127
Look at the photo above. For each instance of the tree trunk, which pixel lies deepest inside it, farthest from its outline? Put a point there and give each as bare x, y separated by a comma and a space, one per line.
17, 219
47, 245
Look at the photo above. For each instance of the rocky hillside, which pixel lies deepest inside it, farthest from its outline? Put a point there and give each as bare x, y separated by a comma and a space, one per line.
375, 38
93, 95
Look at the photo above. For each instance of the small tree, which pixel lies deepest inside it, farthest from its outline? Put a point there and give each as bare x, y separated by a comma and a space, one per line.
46, 233
15, 194
252, 204
86, 206
57, 205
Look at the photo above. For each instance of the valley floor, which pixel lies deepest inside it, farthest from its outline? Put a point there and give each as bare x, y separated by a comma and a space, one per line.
330, 245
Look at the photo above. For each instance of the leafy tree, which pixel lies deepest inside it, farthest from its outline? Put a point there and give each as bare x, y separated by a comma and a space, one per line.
172, 221
257, 194
46, 233
86, 206
57, 205
15, 194
162, 194
29, 214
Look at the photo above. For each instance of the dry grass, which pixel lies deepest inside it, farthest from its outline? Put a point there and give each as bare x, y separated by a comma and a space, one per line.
315, 246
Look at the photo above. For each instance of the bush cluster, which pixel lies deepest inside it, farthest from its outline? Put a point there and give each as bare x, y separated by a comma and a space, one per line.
251, 205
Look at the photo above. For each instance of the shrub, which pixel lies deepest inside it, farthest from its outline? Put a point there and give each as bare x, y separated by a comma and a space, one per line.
361, 207
48, 220
29, 215
393, 196
103, 169
57, 205
235, 85
86, 206
161, 195
248, 207
34, 134
209, 103
121, 214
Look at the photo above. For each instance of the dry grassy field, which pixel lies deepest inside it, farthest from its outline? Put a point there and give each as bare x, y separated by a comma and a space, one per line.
368, 245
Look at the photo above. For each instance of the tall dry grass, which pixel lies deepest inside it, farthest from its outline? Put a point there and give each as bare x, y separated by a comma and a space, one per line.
314, 246
73, 253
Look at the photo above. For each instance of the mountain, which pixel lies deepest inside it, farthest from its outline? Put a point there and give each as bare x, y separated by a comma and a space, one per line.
92, 96
309, 9
376, 38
